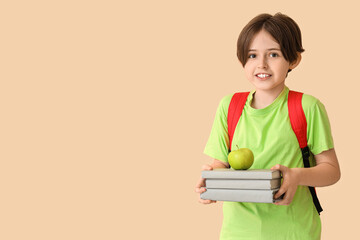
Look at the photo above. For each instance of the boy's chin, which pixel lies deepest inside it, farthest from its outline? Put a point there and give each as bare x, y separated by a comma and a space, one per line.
265, 87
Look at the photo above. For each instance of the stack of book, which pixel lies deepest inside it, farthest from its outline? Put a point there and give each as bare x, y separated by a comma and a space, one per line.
252, 185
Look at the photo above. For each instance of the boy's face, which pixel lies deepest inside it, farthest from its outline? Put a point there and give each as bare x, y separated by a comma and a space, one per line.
266, 67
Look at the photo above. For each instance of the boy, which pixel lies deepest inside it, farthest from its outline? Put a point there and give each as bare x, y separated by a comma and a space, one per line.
269, 47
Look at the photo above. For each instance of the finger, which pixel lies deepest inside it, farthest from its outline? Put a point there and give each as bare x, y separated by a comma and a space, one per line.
206, 201
200, 190
283, 169
200, 184
206, 167
276, 167
281, 191
281, 201
284, 201
287, 199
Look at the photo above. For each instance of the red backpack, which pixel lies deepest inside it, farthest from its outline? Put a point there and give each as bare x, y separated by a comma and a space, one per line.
298, 124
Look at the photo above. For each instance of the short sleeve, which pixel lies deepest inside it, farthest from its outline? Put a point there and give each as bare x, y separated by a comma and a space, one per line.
319, 131
217, 146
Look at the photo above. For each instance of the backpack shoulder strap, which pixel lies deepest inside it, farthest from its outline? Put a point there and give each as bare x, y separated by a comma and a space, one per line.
234, 112
299, 126
297, 117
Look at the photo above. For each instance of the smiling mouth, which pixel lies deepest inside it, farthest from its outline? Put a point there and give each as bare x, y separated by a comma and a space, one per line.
263, 75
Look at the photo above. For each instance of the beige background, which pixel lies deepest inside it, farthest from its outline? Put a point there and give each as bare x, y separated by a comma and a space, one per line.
106, 107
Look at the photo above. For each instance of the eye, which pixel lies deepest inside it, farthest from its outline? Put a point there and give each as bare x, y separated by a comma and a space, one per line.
274, 55
252, 56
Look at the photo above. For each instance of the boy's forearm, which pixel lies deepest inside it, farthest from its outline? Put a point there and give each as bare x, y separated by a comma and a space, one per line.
321, 175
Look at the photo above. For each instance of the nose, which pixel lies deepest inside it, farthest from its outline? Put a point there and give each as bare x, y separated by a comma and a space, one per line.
262, 62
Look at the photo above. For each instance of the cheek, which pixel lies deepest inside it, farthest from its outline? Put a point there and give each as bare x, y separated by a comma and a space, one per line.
248, 72
248, 68
283, 68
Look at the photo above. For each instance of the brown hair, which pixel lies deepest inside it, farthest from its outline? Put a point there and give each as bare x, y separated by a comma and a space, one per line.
281, 27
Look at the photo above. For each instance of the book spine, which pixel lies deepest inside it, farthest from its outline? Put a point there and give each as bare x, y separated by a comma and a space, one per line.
240, 195
243, 184
240, 175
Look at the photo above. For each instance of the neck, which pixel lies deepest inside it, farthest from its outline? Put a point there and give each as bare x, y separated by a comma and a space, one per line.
262, 98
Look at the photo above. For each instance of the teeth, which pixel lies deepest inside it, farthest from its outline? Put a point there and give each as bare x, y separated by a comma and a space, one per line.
262, 75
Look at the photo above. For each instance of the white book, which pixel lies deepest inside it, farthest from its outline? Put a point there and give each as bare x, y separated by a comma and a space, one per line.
243, 183
228, 173
240, 195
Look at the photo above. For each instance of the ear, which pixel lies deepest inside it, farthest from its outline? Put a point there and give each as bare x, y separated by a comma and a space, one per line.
296, 62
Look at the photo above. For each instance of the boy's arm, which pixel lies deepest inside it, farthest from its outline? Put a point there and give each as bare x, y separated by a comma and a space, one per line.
325, 173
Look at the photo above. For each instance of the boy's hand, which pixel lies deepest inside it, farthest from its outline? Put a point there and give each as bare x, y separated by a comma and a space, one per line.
289, 185
200, 186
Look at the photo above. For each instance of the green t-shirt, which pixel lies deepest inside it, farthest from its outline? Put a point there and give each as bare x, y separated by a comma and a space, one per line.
268, 133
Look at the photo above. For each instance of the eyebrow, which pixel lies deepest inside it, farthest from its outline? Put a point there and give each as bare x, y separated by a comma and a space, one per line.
270, 49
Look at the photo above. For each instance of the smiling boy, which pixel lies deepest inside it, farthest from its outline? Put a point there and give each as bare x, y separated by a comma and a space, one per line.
269, 47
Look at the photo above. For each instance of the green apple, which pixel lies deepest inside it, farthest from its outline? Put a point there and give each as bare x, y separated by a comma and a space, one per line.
241, 159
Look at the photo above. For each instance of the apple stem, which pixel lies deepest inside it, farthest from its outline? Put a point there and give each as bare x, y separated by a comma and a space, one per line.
237, 146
